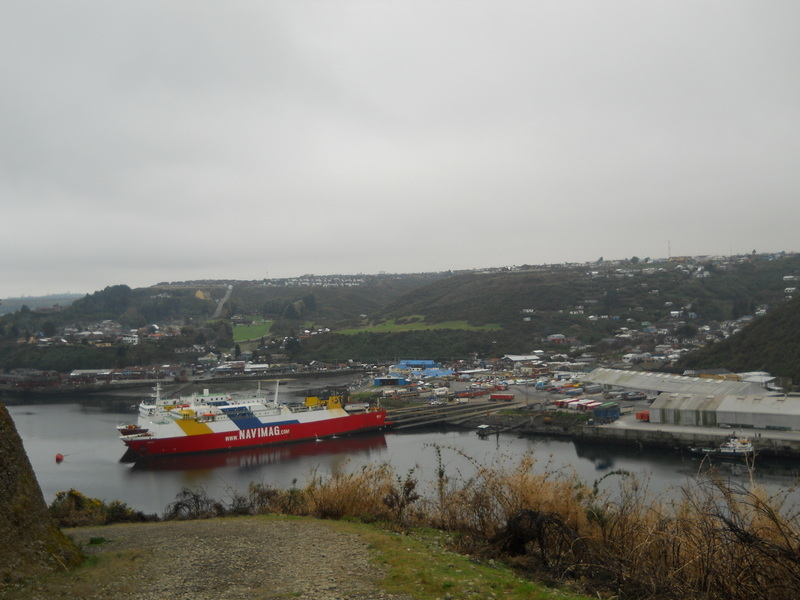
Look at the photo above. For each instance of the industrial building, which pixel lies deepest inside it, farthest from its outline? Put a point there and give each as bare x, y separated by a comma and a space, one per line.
766, 411
707, 402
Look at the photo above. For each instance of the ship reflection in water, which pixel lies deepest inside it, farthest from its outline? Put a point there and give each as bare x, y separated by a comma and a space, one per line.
260, 457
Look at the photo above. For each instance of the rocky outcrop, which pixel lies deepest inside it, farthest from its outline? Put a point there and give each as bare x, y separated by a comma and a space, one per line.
32, 541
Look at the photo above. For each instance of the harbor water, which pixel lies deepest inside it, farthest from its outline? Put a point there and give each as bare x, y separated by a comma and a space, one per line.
84, 432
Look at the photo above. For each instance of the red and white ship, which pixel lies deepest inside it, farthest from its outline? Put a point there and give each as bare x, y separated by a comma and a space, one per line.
212, 422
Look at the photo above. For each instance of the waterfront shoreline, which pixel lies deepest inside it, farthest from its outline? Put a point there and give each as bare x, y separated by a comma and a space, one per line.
108, 388
627, 433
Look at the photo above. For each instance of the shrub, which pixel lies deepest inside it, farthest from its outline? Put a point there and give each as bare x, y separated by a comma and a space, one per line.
194, 504
74, 509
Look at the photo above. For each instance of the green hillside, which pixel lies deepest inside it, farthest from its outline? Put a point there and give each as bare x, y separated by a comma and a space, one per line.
195, 302
634, 290
328, 304
192, 313
523, 307
439, 315
771, 343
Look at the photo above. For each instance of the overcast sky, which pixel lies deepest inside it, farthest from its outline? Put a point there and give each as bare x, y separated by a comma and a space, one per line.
165, 141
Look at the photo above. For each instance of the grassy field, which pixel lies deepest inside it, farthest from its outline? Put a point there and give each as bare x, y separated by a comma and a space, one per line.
417, 323
243, 333
420, 565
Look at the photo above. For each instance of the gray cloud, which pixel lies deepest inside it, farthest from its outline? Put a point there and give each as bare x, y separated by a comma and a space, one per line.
144, 141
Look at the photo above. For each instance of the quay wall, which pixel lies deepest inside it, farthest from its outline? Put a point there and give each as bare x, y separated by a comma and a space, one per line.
773, 445
656, 438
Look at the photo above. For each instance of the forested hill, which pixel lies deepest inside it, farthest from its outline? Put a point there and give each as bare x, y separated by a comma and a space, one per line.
198, 317
712, 292
329, 301
770, 343
609, 307
513, 311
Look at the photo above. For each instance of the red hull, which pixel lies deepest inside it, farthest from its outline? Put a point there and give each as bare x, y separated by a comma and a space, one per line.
263, 455
258, 436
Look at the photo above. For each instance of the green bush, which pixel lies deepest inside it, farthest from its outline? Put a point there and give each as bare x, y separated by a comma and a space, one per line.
74, 509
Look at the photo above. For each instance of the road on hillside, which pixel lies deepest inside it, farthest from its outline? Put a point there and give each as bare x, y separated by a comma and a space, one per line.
222, 302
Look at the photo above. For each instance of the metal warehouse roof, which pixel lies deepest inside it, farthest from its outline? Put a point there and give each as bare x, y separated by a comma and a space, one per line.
666, 382
760, 404
679, 401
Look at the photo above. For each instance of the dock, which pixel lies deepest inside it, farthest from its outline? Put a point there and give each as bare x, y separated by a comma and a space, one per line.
451, 413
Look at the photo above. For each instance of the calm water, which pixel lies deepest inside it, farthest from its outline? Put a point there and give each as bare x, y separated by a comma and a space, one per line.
85, 433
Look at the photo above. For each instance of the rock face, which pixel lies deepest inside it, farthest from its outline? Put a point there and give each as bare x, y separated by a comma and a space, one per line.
32, 543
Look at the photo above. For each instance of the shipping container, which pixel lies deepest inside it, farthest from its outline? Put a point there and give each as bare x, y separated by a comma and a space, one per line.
607, 412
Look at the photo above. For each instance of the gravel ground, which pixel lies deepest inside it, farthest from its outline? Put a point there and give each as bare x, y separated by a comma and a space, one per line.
243, 557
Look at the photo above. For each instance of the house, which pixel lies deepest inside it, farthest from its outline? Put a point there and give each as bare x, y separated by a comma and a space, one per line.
636, 357
208, 359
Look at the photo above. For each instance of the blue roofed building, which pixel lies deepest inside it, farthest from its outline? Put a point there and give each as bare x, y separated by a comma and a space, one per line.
421, 368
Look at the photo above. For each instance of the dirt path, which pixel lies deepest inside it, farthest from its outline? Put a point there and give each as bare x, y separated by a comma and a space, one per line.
219, 559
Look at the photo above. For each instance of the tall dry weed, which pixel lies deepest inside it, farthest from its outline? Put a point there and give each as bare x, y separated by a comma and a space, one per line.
481, 504
264, 499
711, 541
359, 493
717, 541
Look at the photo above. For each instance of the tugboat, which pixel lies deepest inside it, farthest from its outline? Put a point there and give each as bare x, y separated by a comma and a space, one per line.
733, 447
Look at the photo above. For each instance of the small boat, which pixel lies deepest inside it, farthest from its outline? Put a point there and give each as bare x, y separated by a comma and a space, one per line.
733, 447
485, 430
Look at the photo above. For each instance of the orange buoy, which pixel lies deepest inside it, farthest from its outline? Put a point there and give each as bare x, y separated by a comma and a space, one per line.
59, 457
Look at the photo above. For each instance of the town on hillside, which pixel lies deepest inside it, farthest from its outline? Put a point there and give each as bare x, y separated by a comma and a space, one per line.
652, 333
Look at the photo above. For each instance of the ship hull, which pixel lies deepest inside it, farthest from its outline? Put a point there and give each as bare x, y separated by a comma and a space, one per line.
258, 435
714, 453
260, 456
734, 448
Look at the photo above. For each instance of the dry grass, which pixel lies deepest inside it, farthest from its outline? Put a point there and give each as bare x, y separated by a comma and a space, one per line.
714, 541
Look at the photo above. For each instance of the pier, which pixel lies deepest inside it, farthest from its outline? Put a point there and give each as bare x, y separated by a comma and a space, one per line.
451, 413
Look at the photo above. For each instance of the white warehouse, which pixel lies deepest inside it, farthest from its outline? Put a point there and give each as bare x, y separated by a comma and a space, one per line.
695, 401
773, 411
